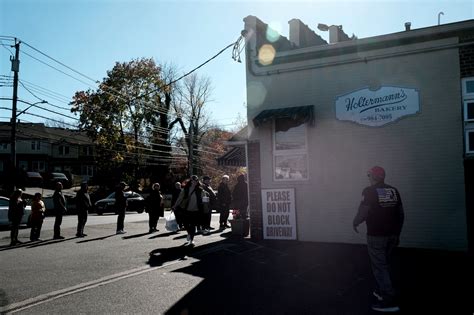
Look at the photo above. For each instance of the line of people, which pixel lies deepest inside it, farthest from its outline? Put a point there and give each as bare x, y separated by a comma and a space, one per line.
191, 202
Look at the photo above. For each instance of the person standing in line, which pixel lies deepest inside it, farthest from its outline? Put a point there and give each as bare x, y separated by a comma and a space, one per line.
38, 210
178, 212
191, 200
224, 198
60, 209
154, 207
84, 204
120, 207
16, 209
207, 215
240, 198
382, 210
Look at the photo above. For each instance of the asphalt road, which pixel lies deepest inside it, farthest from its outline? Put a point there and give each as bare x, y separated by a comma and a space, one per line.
96, 274
142, 273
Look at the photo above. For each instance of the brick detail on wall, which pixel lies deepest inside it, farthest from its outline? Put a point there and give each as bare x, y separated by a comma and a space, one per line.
255, 188
466, 57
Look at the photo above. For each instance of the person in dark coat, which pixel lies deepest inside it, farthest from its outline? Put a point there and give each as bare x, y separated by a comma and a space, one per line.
207, 216
224, 198
120, 207
381, 209
60, 209
240, 200
84, 204
194, 201
38, 210
16, 209
154, 207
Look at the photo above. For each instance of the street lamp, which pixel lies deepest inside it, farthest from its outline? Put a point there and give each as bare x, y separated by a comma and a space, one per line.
31, 105
13, 136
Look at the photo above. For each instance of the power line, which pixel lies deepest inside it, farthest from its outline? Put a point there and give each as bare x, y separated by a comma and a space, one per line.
58, 69
37, 87
62, 64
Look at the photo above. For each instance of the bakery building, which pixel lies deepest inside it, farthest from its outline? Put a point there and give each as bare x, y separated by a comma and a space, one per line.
321, 114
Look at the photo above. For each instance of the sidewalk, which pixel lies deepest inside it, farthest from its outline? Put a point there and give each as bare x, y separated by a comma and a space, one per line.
278, 277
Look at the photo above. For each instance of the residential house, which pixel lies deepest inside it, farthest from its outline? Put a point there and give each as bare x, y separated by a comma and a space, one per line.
48, 149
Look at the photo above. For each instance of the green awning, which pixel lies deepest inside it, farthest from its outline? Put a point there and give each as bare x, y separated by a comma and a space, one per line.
300, 114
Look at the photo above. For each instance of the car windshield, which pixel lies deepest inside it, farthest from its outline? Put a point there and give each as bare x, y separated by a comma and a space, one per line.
58, 175
33, 174
111, 196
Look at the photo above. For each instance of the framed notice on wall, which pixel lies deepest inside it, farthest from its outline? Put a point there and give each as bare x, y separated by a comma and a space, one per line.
278, 213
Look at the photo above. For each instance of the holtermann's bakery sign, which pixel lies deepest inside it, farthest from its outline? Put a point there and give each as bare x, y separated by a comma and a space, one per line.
377, 108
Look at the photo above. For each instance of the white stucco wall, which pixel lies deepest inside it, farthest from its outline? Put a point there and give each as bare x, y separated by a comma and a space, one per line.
422, 154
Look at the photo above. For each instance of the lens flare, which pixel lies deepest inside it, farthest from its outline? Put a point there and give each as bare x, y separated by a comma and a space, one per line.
273, 32
256, 93
266, 54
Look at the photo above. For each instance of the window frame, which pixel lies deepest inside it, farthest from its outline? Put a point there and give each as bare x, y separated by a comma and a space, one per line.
35, 145
465, 94
466, 118
466, 137
292, 152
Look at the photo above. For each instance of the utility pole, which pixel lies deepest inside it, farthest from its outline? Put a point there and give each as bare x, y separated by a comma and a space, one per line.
191, 148
15, 68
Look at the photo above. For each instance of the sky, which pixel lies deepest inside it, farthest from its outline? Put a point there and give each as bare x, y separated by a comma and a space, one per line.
89, 36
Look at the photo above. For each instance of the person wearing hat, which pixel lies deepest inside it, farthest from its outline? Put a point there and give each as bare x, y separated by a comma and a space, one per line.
207, 216
224, 198
382, 210
120, 206
16, 209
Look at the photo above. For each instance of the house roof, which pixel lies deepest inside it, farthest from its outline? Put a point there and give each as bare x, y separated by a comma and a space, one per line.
38, 131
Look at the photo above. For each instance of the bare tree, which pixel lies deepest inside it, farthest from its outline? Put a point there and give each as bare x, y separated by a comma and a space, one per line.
194, 93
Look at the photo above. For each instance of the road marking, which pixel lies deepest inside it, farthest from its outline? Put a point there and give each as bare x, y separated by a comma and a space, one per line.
40, 299
47, 297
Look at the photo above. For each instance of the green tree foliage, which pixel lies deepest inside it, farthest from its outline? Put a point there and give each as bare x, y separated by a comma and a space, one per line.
127, 117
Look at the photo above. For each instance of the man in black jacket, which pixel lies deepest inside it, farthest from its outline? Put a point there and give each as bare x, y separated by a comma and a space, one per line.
120, 207
83, 203
59, 202
382, 210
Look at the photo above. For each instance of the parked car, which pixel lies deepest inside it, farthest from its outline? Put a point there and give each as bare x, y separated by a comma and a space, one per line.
53, 178
33, 179
4, 203
135, 202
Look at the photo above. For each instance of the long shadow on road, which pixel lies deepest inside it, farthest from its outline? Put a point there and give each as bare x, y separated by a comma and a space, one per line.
242, 277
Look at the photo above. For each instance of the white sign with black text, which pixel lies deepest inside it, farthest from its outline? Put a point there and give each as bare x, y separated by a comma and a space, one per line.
379, 107
279, 218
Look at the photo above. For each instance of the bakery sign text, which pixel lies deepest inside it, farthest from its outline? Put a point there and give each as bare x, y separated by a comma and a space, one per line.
377, 108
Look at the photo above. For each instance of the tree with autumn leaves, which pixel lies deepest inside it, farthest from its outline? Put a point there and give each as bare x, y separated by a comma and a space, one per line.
134, 116
127, 118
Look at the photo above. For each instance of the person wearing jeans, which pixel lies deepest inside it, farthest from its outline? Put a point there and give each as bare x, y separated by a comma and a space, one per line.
382, 210
120, 207
59, 202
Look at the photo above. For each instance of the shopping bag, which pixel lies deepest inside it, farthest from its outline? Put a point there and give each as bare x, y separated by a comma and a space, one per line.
171, 224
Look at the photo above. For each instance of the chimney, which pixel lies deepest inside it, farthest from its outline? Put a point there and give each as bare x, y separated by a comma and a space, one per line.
336, 34
407, 26
302, 36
